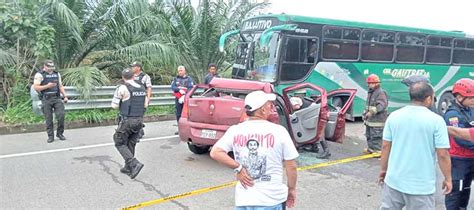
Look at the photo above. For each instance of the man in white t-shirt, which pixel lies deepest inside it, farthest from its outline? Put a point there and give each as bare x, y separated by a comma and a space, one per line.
261, 150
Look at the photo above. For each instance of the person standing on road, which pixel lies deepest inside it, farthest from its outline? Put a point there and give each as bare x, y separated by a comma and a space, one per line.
130, 98
461, 114
375, 114
414, 138
180, 85
144, 79
261, 150
212, 73
48, 83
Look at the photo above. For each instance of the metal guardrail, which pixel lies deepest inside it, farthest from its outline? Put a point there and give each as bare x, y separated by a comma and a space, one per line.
161, 95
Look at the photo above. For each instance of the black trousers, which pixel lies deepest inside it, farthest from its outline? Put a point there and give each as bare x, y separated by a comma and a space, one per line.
462, 171
126, 137
53, 104
179, 109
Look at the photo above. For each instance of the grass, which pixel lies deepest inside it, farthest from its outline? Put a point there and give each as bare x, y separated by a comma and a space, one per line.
22, 114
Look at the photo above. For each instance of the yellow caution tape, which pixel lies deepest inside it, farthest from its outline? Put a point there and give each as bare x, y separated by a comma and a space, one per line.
228, 184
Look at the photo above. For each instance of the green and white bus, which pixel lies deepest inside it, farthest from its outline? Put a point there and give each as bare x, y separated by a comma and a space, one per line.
287, 49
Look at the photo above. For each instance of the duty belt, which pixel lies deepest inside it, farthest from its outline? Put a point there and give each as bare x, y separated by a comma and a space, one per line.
51, 95
374, 124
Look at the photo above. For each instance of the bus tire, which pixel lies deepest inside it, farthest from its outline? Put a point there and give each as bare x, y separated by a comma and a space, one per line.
444, 102
198, 149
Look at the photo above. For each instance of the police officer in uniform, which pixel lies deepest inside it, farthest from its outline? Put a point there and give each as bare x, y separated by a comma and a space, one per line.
48, 83
144, 79
130, 98
461, 114
180, 85
375, 114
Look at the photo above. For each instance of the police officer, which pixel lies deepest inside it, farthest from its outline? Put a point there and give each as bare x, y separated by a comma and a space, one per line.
461, 114
48, 83
130, 98
180, 85
144, 79
375, 114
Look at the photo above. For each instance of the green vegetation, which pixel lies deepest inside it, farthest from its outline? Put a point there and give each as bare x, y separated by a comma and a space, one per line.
92, 41
23, 114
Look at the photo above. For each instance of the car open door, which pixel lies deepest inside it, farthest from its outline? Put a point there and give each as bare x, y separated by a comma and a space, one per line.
306, 125
339, 101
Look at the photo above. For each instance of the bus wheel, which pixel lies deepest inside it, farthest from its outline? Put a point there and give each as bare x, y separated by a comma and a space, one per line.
444, 102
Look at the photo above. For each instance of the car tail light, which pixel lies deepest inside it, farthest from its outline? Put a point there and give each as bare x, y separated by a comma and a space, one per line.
185, 109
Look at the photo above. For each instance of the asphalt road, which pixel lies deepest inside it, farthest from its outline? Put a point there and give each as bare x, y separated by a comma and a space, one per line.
83, 172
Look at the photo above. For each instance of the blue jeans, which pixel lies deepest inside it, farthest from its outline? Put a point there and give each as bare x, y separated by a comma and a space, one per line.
280, 206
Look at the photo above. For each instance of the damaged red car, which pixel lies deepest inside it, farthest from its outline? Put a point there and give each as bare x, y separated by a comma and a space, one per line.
209, 110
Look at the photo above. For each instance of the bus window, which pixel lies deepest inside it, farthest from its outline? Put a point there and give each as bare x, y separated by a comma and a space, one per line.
438, 50
377, 46
341, 43
463, 51
333, 33
300, 55
410, 48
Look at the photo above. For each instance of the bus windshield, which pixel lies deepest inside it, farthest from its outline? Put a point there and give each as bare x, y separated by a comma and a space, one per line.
255, 62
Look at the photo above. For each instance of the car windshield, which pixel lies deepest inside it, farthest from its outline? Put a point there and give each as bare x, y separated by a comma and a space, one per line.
255, 62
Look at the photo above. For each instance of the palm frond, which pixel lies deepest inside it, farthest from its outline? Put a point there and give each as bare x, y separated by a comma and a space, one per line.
63, 14
84, 78
153, 51
7, 58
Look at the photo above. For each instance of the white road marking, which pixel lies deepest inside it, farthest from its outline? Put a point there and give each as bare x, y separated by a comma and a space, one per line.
77, 148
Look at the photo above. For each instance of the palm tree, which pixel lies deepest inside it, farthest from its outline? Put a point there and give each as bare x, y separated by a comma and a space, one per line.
195, 32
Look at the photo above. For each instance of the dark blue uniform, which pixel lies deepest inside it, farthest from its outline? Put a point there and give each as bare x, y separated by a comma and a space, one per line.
462, 157
52, 102
178, 82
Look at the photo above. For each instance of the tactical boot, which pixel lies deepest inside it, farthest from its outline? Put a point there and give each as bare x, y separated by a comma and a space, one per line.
135, 169
61, 137
125, 170
50, 139
324, 146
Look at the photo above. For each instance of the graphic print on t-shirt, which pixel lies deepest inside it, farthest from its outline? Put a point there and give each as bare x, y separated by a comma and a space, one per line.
254, 163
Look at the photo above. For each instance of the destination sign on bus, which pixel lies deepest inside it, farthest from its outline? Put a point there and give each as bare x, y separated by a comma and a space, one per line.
258, 24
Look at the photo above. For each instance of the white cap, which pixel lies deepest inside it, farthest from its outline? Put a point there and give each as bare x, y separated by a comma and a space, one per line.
296, 101
257, 99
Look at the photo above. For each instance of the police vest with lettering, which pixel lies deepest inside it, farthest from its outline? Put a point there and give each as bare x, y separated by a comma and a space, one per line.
53, 78
134, 106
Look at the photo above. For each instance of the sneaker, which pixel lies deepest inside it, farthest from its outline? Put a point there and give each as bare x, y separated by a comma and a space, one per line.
136, 169
50, 139
61, 137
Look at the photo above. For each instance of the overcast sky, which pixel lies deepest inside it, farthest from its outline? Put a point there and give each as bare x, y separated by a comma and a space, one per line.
442, 15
